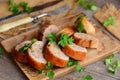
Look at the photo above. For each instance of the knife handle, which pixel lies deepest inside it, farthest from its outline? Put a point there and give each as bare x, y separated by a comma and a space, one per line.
8, 26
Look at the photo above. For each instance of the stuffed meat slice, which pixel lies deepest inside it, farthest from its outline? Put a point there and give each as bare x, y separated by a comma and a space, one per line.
20, 56
35, 55
54, 55
86, 40
74, 51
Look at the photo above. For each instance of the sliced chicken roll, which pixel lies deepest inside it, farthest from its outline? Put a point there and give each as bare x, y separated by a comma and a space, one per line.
89, 28
21, 57
35, 55
86, 40
54, 54
44, 31
74, 51
69, 30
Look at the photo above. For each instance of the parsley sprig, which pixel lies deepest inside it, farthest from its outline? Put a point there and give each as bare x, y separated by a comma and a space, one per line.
88, 77
13, 7
52, 37
65, 39
26, 46
112, 66
72, 62
49, 72
25, 6
109, 22
87, 5
80, 25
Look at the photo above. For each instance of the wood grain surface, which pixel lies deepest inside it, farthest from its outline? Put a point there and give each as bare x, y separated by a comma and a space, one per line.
107, 11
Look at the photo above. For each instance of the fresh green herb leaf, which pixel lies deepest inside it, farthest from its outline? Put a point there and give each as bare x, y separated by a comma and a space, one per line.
79, 68
111, 70
50, 74
23, 4
79, 19
87, 5
88, 77
116, 64
26, 46
71, 62
94, 8
65, 39
1, 51
52, 37
80, 27
70, 40
40, 71
33, 40
109, 59
49, 65
28, 9
110, 21
13, 7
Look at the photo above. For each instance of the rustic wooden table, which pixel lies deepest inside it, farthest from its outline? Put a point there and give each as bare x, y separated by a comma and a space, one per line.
10, 71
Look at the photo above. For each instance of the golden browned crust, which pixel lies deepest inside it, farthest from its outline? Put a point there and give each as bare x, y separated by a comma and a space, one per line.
77, 55
54, 59
69, 30
86, 42
34, 63
21, 57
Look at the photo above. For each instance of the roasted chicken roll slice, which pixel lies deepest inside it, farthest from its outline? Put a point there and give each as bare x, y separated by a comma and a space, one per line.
35, 55
20, 56
45, 30
69, 30
86, 40
74, 51
54, 55
88, 26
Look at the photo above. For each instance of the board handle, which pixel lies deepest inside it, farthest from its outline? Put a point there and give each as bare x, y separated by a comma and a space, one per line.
8, 26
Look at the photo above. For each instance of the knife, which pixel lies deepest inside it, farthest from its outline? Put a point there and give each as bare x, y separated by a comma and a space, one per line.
36, 8
8, 26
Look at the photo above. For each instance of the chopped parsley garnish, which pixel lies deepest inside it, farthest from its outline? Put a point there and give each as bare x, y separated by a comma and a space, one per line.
88, 77
50, 74
13, 7
112, 66
52, 37
108, 61
79, 68
40, 71
49, 65
72, 62
26, 46
109, 22
25, 6
65, 39
87, 5
80, 25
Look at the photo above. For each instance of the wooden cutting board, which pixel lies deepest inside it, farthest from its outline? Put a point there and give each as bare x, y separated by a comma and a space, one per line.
106, 48
103, 15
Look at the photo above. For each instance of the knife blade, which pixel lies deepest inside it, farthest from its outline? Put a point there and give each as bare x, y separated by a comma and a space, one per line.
6, 27
36, 8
